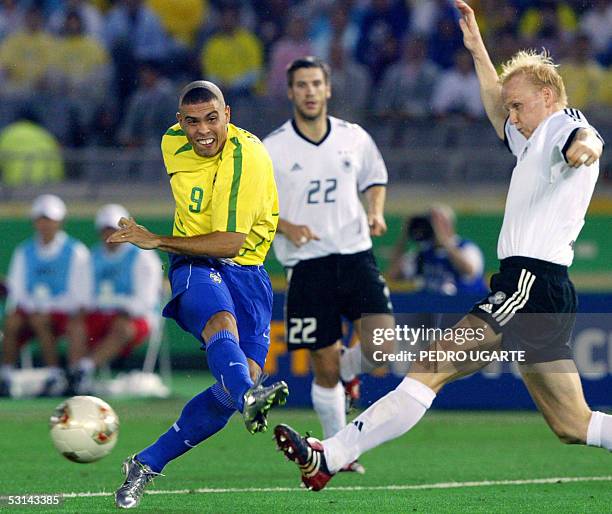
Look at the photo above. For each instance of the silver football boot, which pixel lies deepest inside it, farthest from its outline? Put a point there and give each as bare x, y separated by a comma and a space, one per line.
137, 476
259, 399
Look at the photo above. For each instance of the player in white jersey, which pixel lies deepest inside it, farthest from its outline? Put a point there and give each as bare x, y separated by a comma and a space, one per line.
321, 165
533, 303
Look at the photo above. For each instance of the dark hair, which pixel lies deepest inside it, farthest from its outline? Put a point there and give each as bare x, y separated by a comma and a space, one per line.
307, 62
200, 91
197, 96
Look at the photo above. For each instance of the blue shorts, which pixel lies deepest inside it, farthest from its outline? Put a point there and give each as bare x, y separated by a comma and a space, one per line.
203, 287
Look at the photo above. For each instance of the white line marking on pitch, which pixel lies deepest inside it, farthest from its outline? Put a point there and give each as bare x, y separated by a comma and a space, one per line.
404, 487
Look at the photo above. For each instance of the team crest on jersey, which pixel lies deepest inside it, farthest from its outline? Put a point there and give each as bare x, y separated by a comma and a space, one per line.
497, 298
345, 157
215, 277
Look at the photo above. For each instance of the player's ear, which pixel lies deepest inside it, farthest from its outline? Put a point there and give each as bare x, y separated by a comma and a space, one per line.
227, 114
548, 95
179, 117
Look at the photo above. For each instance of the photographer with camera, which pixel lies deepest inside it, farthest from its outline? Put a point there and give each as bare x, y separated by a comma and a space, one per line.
444, 263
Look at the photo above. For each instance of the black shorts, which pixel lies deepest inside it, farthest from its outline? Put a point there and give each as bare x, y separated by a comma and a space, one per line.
533, 304
322, 291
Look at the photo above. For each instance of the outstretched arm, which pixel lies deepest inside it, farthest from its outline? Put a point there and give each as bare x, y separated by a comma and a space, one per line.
490, 88
215, 244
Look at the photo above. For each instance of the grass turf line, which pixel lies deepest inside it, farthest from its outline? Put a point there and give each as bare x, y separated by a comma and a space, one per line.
445, 447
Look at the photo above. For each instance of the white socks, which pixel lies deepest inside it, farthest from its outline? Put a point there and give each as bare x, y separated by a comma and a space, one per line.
329, 405
398, 411
599, 432
353, 363
388, 418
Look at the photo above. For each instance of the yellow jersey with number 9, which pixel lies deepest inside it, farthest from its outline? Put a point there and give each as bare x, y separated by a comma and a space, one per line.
234, 191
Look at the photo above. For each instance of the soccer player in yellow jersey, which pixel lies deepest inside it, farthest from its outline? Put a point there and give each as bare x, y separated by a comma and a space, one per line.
225, 219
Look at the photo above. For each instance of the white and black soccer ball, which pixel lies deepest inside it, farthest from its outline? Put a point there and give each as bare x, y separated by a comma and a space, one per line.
84, 428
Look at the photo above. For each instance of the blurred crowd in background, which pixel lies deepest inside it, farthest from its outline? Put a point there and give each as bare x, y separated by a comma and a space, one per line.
104, 73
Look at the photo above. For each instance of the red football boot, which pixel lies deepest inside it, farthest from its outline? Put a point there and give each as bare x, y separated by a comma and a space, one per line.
307, 453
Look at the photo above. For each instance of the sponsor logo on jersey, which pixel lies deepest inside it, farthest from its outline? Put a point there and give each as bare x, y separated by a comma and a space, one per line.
487, 307
215, 277
296, 167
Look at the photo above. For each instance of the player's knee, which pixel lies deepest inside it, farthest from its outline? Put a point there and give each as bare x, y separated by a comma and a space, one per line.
326, 376
326, 371
254, 370
220, 321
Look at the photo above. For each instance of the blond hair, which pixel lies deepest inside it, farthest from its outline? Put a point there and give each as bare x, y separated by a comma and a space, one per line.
539, 69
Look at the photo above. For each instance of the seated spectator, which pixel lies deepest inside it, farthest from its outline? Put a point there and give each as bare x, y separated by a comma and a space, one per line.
133, 34
584, 78
150, 110
444, 262
444, 43
271, 21
12, 15
233, 57
92, 19
350, 85
426, 15
181, 18
381, 28
337, 25
29, 154
547, 23
26, 56
48, 283
186, 23
407, 85
505, 45
133, 26
597, 24
84, 68
293, 45
457, 90
496, 17
127, 287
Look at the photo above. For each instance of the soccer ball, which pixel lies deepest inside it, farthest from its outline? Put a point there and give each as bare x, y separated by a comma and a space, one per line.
84, 428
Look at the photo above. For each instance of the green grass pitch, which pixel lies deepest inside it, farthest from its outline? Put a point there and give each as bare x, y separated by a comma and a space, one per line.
446, 447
